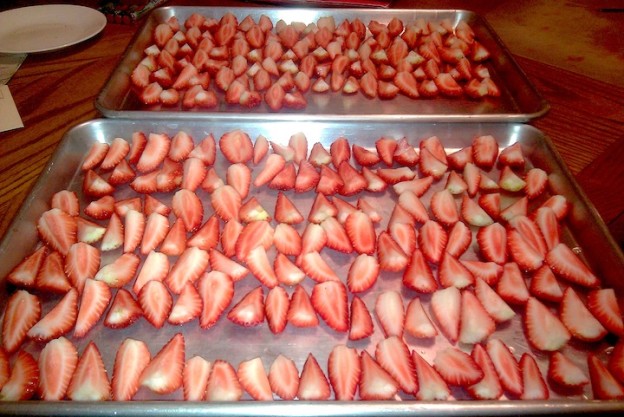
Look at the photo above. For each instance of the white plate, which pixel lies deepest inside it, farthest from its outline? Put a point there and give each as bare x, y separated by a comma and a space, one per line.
47, 28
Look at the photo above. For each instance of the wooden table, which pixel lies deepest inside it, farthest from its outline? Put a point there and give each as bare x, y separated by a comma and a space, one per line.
56, 91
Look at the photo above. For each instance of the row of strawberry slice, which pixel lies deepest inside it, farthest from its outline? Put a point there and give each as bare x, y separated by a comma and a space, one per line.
488, 372
147, 155
254, 61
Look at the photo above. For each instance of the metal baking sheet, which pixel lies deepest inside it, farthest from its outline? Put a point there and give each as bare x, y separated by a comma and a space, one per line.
519, 101
584, 231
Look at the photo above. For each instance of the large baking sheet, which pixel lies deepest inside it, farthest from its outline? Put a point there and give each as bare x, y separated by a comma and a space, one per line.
519, 101
584, 231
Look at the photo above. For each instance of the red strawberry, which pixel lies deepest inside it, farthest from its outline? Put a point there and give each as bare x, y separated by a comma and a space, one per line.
195, 378
252, 211
495, 306
276, 307
156, 229
363, 156
567, 265
187, 307
510, 181
258, 233
134, 226
488, 388
225, 264
57, 321
163, 374
155, 302
564, 372
188, 207
517, 208
578, 319
57, 362
120, 271
404, 235
361, 323
223, 383
330, 302
90, 381
274, 97
616, 362
418, 186
137, 145
546, 221
313, 383
284, 378
393, 356
407, 84
194, 173
154, 153
260, 266
457, 367
432, 239
57, 229
476, 325
285, 211
329, 181
446, 308
375, 382
117, 151
124, 310
261, 147
24, 379
322, 208
67, 201
319, 155
95, 298
506, 366
390, 313
216, 290
274, 164
249, 311
489, 272
95, 156
431, 386
534, 386
131, 359
285, 179
604, 385
417, 322
484, 151
530, 232
559, 205
22, 311
511, 285
51, 276
459, 239
25, 272
253, 378
307, 177
236, 146
344, 371
444, 208
363, 273
286, 271
175, 241
361, 232
189, 266
543, 329
603, 305
82, 262
226, 202
458, 159
300, 311
492, 242
544, 285
205, 150
418, 275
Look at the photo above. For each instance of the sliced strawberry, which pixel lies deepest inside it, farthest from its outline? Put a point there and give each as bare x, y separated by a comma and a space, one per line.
375, 382
258, 233
286, 271
544, 285
512, 286
530, 233
82, 262
313, 384
344, 371
57, 362
603, 305
361, 231
472, 177
544, 330
236, 146
57, 229
276, 308
120, 272
578, 319
604, 385
506, 366
363, 273
22, 311
24, 379
510, 181
390, 313
67, 201
393, 356
274, 164
154, 153
163, 374
300, 311
225, 264
417, 322
458, 159
567, 265
559, 205
319, 156
473, 214
124, 310
534, 386
457, 367
223, 383
492, 242
216, 290
249, 311
25, 272
156, 229
455, 184
418, 186
188, 207
175, 241
95, 298
307, 177
131, 359
361, 322
459, 239
156, 302
616, 362
90, 381
252, 211
284, 378
329, 181
418, 275
57, 321
564, 372
432, 239
546, 221
285, 179
189, 266
430, 165
274, 97
260, 147
253, 378
495, 306
363, 156
285, 210
444, 208
95, 156
475, 323
484, 151
51, 276
446, 308
187, 307
122, 207
322, 208
195, 378
260, 266
329, 299
431, 386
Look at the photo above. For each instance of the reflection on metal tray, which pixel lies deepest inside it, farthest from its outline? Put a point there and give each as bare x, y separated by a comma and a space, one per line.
519, 101
584, 230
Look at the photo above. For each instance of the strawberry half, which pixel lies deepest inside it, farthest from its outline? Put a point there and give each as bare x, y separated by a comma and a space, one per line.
544, 330
24, 379
330, 302
567, 265
195, 378
57, 362
156, 302
534, 386
284, 378
57, 229
216, 290
124, 310
476, 324
418, 275
90, 381
95, 298
131, 359
187, 307
417, 322
21, 312
188, 268
344, 371
578, 319
276, 306
57, 321
375, 382
163, 374
223, 383
446, 308
506, 366
564, 372
390, 313
253, 378
249, 311
603, 305
488, 388
457, 367
431, 386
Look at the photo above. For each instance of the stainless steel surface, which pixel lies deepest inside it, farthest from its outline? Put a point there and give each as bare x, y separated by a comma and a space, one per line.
584, 229
519, 100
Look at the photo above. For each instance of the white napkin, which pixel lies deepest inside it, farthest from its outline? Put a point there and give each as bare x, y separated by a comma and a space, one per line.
9, 116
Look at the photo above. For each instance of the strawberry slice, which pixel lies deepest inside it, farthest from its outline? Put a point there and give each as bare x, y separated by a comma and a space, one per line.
604, 385
616, 362
386, 148
396, 175
492, 242
22, 311
307, 177
319, 156
89, 381
495, 306
137, 145
543, 329
286, 271
120, 271
431, 386
187, 307
154, 153
455, 184
476, 324
457, 367
131, 359
51, 276
216, 290
322, 208
124, 310
223, 383
446, 308
363, 273
57, 362
258, 233
156, 266
226, 202
390, 255
517, 208
353, 181
222, 263
565, 373
361, 232
82, 262
578, 319
195, 378
249, 311
489, 272
484, 151
57, 229
361, 324
473, 214
285, 210
491, 204
300, 311
510, 181
459, 239
156, 229
156, 302
430, 165
567, 265
276, 307
188, 207
236, 146
253, 378
536, 180
458, 159
344, 371
432, 239
95, 298
117, 151
189, 266
25, 273
252, 211
506, 366
329, 181
329, 299
559, 205
340, 151
260, 266
284, 378
285, 179
512, 286
313, 384
95, 156
544, 285
451, 272
194, 173
417, 321
488, 388
57, 321
134, 227
375, 382
24, 379
390, 313
363, 156
418, 275
273, 165
163, 374
604, 306
67, 201
404, 235
546, 221
393, 356
534, 386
